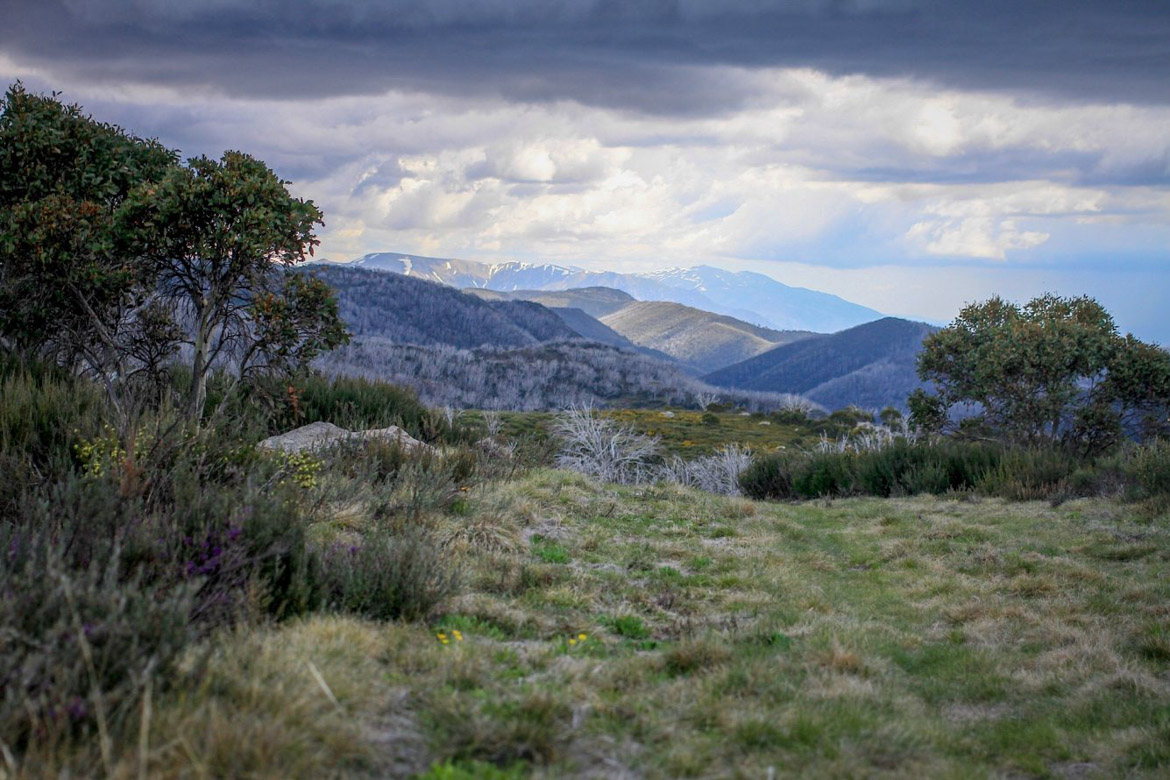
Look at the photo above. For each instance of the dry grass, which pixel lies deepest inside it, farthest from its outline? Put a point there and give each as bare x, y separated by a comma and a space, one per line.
867, 638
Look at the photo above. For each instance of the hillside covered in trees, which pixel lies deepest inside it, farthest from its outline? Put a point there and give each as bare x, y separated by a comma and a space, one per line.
457, 350
413, 311
871, 365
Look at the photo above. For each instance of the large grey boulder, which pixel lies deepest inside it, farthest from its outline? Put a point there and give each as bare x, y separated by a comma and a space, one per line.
320, 435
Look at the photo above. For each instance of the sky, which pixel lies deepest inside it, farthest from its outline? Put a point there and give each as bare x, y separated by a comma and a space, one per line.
909, 155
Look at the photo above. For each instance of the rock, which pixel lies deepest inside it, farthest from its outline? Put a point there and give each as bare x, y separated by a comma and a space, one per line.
307, 437
393, 433
668, 414
319, 435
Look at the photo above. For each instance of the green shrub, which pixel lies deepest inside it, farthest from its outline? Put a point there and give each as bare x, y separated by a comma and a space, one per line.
42, 415
910, 469
1029, 474
823, 474
890, 472
768, 477
968, 463
1149, 468
388, 577
792, 416
927, 476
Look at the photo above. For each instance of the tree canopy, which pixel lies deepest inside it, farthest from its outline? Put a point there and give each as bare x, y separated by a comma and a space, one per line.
1053, 370
114, 255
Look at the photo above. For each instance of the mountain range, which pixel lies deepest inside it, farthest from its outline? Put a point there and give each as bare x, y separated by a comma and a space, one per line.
458, 350
871, 366
699, 340
595, 342
750, 297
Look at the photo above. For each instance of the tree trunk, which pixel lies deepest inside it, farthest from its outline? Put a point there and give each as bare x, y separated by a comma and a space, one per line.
197, 394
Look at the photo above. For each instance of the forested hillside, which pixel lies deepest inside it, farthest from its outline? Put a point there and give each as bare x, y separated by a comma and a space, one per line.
553, 375
457, 350
697, 338
412, 311
595, 330
871, 365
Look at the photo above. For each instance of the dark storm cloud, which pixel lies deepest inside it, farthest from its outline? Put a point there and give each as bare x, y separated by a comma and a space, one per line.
649, 56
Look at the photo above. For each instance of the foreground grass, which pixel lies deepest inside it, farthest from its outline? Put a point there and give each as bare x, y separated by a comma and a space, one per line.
659, 632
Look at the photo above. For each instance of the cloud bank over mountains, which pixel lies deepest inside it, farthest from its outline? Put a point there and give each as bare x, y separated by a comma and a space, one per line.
908, 153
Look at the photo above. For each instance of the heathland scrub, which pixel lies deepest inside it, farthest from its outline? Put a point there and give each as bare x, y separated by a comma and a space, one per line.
657, 631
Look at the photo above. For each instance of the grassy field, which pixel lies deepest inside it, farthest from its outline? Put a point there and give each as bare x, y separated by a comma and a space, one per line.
690, 433
660, 632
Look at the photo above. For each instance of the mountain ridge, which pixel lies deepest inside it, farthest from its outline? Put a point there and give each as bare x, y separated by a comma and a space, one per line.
752, 297
701, 340
871, 365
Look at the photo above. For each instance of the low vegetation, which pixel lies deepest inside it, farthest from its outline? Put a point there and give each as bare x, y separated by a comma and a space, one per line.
196, 607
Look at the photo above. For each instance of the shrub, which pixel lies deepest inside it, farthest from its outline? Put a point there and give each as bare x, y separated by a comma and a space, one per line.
604, 449
904, 468
890, 471
768, 477
79, 644
43, 413
822, 474
1028, 474
1149, 469
387, 577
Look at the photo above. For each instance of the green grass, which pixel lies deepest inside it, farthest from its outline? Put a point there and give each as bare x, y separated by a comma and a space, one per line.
683, 432
899, 637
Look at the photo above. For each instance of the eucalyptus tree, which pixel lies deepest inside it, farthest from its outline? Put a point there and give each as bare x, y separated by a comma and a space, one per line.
113, 255
1053, 370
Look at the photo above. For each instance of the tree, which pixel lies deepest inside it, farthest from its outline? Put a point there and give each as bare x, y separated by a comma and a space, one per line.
67, 287
113, 255
216, 234
1053, 370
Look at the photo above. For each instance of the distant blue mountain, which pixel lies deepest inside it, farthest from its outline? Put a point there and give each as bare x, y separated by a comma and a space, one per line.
752, 297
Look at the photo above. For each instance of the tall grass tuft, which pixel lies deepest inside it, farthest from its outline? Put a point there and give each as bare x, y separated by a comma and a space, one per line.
390, 576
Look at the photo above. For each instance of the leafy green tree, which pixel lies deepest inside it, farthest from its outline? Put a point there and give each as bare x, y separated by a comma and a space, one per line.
113, 255
292, 325
1054, 369
67, 287
217, 234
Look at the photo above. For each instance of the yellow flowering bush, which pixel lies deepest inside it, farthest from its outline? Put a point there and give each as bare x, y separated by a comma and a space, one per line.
104, 454
302, 469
